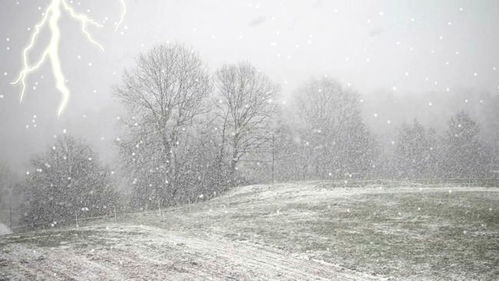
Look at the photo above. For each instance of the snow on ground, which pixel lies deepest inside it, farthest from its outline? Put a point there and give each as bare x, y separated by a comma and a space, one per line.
138, 252
299, 231
4, 229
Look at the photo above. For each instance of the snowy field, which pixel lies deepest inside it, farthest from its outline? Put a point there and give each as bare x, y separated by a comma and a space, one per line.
299, 231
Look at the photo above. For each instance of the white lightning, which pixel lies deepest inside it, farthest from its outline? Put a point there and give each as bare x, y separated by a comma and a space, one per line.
123, 14
51, 18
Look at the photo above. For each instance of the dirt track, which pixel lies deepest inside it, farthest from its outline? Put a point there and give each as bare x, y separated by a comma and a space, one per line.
133, 252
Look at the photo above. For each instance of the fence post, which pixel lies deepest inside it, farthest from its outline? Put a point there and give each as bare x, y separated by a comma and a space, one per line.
10, 215
76, 216
273, 157
114, 210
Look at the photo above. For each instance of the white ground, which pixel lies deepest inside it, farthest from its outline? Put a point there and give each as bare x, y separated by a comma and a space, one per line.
191, 242
4, 229
150, 253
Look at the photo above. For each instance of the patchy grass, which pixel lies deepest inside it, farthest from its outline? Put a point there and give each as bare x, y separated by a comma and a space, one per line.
403, 235
299, 230
430, 233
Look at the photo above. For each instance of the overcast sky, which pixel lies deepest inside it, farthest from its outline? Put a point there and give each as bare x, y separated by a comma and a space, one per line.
401, 47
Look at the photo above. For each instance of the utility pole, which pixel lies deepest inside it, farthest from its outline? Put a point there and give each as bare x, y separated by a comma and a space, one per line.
273, 157
10, 215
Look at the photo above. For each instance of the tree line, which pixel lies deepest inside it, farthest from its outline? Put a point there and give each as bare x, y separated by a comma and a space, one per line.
187, 134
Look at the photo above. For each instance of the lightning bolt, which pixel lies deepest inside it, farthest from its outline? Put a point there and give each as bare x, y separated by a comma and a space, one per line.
123, 14
51, 18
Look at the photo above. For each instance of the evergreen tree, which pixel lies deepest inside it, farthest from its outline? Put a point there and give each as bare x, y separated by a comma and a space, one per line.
65, 182
465, 155
490, 131
416, 152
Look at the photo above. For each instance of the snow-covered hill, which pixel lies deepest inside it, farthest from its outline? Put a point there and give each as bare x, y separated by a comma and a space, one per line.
298, 231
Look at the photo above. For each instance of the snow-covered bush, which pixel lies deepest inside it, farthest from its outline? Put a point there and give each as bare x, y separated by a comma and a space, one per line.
67, 182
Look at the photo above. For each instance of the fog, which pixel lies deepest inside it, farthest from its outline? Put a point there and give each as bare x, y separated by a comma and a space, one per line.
441, 55
249, 140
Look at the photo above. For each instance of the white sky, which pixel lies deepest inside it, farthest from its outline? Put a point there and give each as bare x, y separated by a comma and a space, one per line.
404, 47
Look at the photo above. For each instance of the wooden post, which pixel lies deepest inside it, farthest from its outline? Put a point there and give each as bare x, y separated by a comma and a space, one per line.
76, 216
114, 210
273, 157
10, 215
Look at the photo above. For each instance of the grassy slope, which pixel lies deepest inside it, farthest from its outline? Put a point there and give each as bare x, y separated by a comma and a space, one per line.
287, 231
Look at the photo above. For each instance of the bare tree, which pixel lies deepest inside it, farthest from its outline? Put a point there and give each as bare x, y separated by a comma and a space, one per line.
335, 140
245, 104
163, 94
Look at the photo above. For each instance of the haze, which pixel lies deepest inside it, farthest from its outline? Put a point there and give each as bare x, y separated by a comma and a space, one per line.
431, 51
